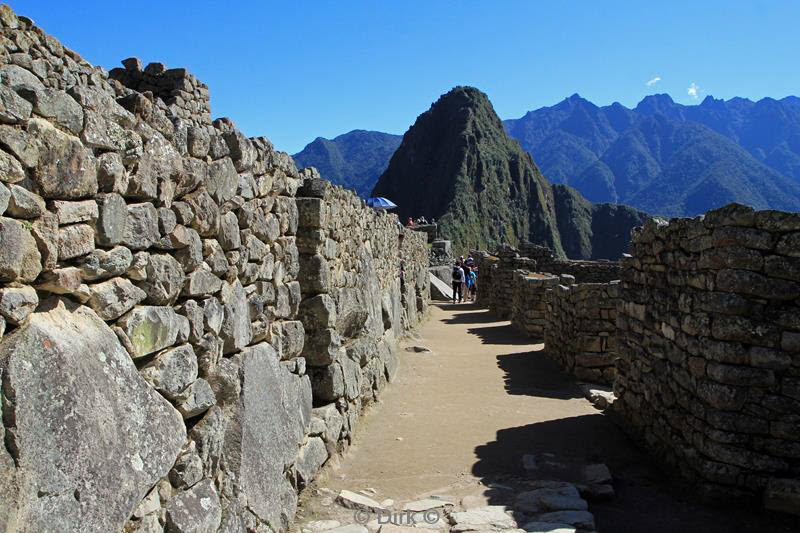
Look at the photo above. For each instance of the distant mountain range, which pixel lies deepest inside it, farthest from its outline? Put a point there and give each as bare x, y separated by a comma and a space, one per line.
662, 157
458, 164
353, 160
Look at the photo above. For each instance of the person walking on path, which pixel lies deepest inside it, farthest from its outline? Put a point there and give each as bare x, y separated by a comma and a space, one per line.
458, 282
472, 283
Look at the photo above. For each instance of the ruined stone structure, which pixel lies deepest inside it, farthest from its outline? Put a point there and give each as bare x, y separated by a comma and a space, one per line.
580, 331
529, 305
159, 291
577, 321
709, 337
701, 339
355, 302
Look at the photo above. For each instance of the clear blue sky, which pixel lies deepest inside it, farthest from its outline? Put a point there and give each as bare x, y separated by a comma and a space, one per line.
295, 70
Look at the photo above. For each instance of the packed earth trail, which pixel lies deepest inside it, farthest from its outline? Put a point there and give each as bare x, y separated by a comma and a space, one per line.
479, 418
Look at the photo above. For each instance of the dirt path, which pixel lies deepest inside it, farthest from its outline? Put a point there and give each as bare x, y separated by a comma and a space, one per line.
463, 417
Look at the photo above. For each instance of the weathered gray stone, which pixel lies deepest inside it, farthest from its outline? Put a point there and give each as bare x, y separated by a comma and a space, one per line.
354, 500
67, 280
20, 259
113, 298
323, 347
150, 328
229, 237
213, 314
171, 371
333, 422
13, 108
291, 338
482, 518
138, 268
235, 330
198, 141
90, 473
164, 281
197, 510
188, 469
201, 282
65, 170
102, 133
16, 303
242, 150
263, 438
196, 399
72, 212
10, 169
328, 382
310, 459
18, 78
206, 213
112, 218
159, 161
111, 175
24, 204
222, 180
101, 264
191, 255
22, 145
141, 227
75, 241
56, 105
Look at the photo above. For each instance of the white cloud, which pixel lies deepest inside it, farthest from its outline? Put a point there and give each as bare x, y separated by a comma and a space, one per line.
693, 91
653, 81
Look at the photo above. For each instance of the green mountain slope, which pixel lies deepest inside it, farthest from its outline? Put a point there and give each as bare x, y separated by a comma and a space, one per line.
667, 158
458, 165
353, 160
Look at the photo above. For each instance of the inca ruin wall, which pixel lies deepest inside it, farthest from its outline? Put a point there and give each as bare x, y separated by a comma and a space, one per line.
701, 339
355, 301
160, 291
709, 340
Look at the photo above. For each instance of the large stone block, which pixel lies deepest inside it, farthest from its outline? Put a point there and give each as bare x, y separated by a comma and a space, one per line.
65, 169
264, 433
20, 259
150, 328
91, 437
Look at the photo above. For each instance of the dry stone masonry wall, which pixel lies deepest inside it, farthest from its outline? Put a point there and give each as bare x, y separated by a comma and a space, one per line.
530, 313
155, 367
355, 300
580, 331
709, 337
701, 339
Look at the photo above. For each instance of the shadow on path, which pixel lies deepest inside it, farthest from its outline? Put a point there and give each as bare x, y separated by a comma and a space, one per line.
501, 335
534, 374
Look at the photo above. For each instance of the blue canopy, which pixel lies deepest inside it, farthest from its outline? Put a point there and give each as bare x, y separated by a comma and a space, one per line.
380, 203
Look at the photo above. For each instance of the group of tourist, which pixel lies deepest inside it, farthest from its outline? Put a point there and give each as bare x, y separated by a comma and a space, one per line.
465, 279
421, 221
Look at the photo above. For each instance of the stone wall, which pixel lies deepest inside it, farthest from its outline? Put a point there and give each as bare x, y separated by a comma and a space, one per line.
187, 98
709, 340
153, 353
580, 329
355, 301
583, 271
529, 312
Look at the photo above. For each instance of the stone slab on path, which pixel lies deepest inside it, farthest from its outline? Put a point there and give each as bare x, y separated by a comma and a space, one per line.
440, 290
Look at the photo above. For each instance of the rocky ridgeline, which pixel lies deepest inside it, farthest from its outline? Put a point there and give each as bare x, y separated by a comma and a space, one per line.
154, 303
701, 339
709, 340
